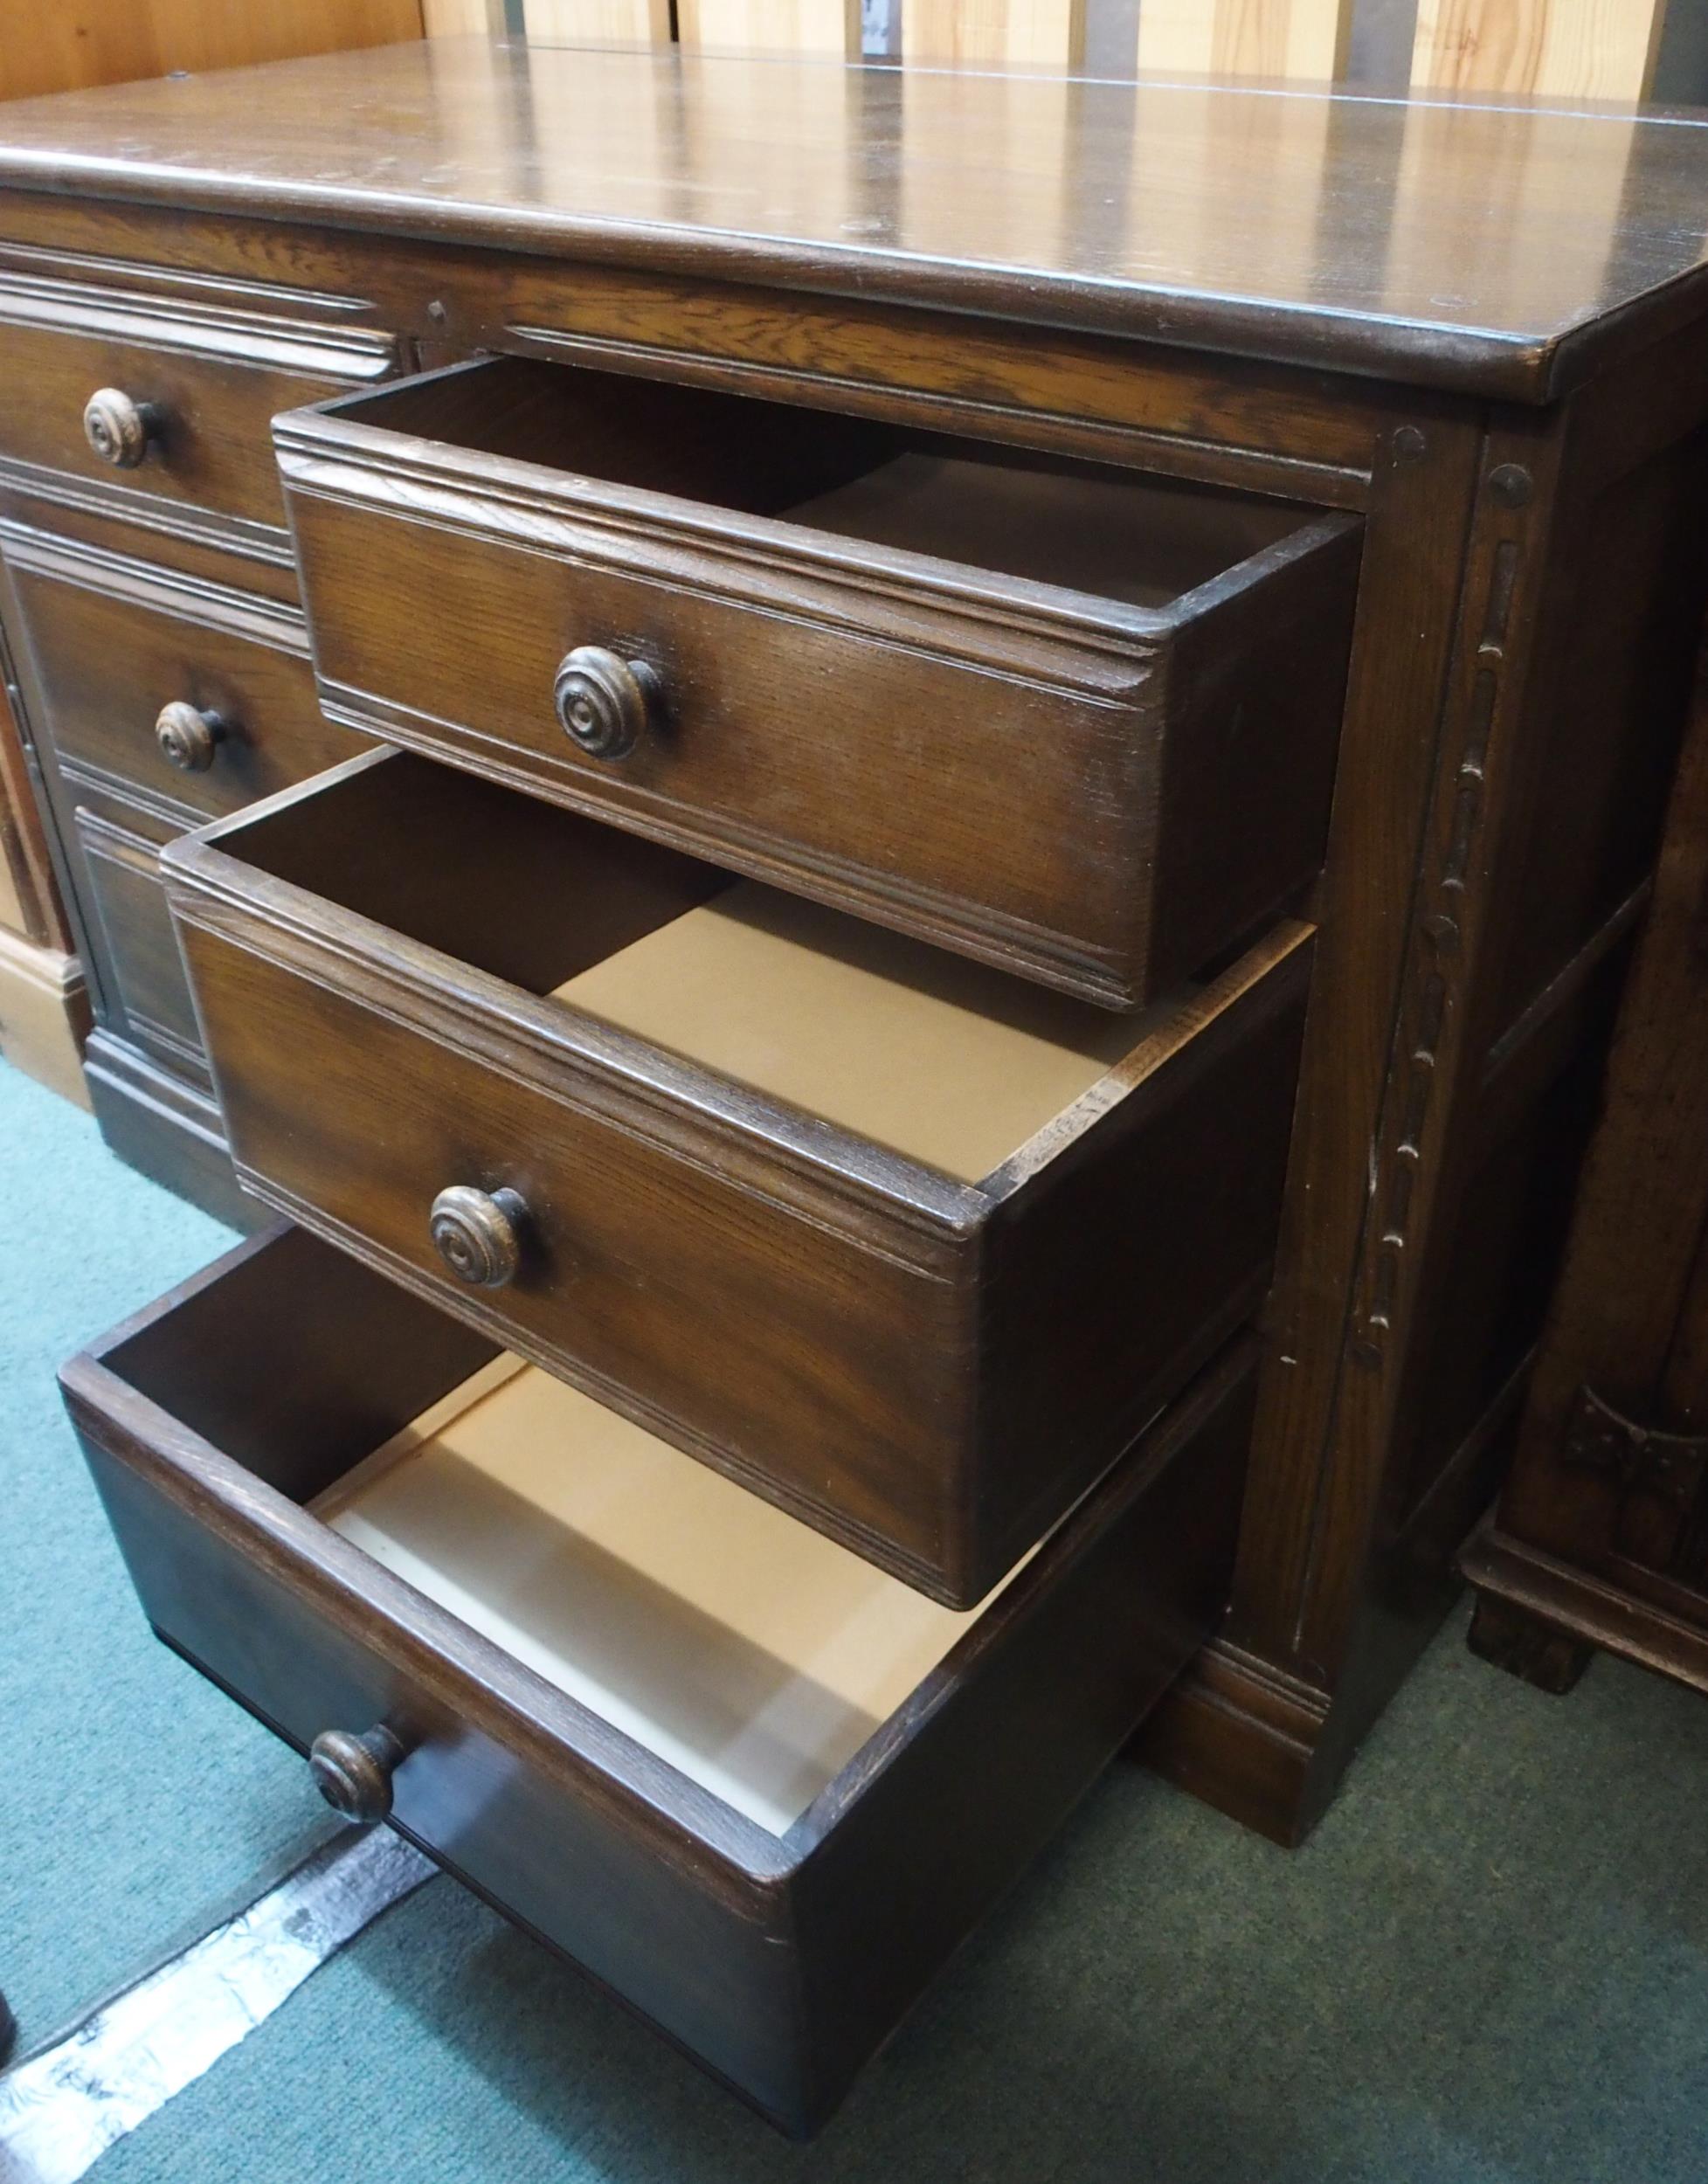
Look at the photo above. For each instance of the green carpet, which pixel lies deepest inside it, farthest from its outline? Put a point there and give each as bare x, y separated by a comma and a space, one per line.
1491, 1962
130, 1795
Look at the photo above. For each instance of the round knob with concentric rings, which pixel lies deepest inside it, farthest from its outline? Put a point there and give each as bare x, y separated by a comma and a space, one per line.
479, 1234
604, 702
187, 736
118, 430
352, 1773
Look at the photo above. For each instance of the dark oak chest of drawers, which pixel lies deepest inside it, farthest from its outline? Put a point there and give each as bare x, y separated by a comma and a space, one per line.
916, 914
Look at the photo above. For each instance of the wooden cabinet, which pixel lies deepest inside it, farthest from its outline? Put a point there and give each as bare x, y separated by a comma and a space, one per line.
1223, 625
1600, 1535
155, 647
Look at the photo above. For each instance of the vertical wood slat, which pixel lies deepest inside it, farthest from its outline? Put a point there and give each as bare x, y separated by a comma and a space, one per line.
995, 33
1562, 49
825, 27
456, 19
597, 21
68, 48
1305, 41
67, 44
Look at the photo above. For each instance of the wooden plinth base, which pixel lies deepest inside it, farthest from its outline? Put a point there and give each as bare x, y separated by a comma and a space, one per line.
44, 1014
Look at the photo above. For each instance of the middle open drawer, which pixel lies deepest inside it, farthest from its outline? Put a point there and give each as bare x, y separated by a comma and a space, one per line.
906, 1245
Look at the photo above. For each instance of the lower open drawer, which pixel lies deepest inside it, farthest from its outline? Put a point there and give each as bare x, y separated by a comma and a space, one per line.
757, 1788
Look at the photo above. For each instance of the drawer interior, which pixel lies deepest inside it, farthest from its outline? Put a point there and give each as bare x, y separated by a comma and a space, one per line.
1080, 526
750, 1654
931, 1056
753, 1655
948, 1063
754, 1788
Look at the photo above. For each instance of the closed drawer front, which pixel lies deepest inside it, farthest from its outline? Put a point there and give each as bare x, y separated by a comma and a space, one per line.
698, 1813
915, 1255
140, 967
201, 381
197, 696
1068, 719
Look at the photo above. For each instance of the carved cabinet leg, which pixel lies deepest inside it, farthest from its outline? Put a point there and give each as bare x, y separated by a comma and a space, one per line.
1526, 1646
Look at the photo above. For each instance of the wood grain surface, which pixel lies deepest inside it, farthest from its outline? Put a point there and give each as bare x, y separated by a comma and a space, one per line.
1071, 721
1164, 194
1560, 49
930, 1370
1302, 41
109, 41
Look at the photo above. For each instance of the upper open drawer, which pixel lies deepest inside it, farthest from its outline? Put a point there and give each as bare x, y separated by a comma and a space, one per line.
1062, 716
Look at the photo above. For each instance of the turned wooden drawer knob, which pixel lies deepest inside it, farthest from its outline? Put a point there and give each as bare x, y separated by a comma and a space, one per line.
479, 1234
118, 429
605, 702
188, 738
353, 1774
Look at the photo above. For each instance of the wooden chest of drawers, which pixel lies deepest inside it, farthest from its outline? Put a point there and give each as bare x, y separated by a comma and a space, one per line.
940, 1068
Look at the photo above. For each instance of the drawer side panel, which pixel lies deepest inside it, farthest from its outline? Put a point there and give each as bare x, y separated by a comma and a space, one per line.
1143, 1244
965, 1788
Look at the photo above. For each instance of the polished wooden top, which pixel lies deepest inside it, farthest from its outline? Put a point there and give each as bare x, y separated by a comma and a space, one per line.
1502, 248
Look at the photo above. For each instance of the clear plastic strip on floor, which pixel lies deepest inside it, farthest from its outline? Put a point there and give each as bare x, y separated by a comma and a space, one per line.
63, 2106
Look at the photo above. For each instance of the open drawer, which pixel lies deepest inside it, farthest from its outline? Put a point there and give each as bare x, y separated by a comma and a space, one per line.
757, 1788
908, 1245
1062, 716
